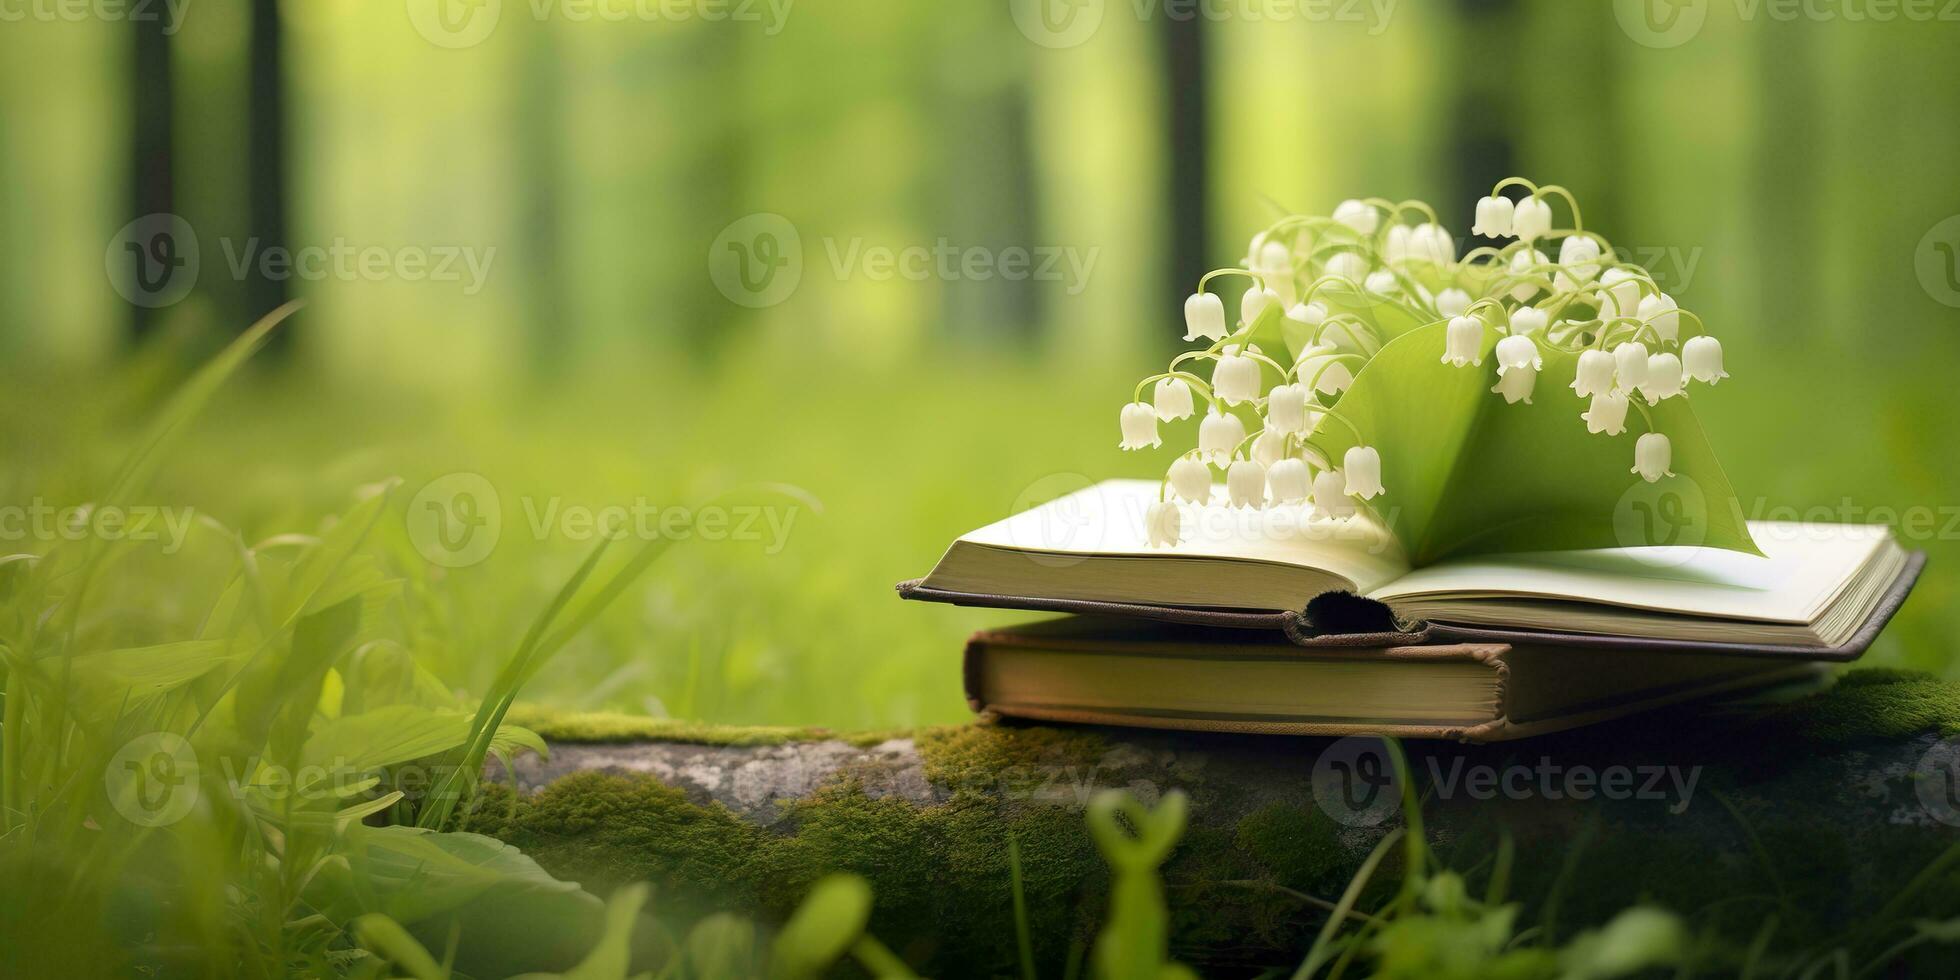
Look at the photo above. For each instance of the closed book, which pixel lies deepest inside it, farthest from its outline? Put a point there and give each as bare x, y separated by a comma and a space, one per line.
1095, 670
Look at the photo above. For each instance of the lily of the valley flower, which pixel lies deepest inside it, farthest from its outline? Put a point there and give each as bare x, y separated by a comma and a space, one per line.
1577, 254
1358, 216
1334, 375
1330, 499
1430, 243
1653, 457
1658, 310
1608, 413
1204, 316
1286, 408
1531, 219
1452, 302
1190, 479
1622, 293
1271, 260
1703, 358
1163, 524
1595, 374
1527, 320
1172, 399
1268, 447
1396, 248
1289, 480
1463, 341
1630, 365
1663, 377
1494, 217
1526, 259
1312, 314
1255, 301
1245, 483
1380, 281
1518, 352
1235, 378
1139, 421
1364, 471
1516, 384
1219, 435
1347, 265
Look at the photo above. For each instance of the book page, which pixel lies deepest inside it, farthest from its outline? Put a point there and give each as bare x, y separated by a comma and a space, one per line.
1806, 567
1108, 519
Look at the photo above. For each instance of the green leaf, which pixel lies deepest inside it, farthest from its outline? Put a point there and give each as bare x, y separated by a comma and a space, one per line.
613, 956
386, 937
830, 919
1636, 939
721, 947
1466, 473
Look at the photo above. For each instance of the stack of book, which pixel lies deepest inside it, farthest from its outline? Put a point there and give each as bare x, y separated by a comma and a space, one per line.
1260, 623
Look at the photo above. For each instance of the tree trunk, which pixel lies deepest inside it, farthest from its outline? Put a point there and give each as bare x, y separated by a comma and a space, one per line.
1818, 813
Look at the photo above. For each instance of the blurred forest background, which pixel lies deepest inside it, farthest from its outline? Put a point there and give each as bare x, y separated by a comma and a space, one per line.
1786, 178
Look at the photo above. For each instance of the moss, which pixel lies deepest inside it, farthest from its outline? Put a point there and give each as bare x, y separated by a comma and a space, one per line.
1872, 703
612, 726
1297, 846
984, 754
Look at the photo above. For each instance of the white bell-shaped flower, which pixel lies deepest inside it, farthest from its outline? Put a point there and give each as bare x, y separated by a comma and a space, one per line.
1204, 316
1518, 353
1658, 310
1359, 216
1622, 293
1289, 480
1245, 483
1330, 499
1235, 378
1452, 302
1163, 524
1522, 264
1139, 421
1630, 365
1431, 243
1268, 447
1364, 471
1653, 457
1286, 408
1255, 301
1494, 217
1347, 265
1595, 374
1579, 255
1463, 341
1252, 248
1312, 314
1380, 282
1219, 435
1516, 384
1608, 413
1319, 364
1271, 260
1190, 479
1396, 248
1663, 379
1702, 357
1172, 399
1528, 320
1531, 219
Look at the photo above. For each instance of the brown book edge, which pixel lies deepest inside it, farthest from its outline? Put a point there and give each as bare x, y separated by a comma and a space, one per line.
1498, 729
1297, 628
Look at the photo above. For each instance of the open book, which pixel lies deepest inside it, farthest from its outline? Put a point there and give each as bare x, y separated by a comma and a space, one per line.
1821, 592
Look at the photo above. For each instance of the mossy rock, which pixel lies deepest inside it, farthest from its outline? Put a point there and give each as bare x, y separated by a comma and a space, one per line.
1818, 812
